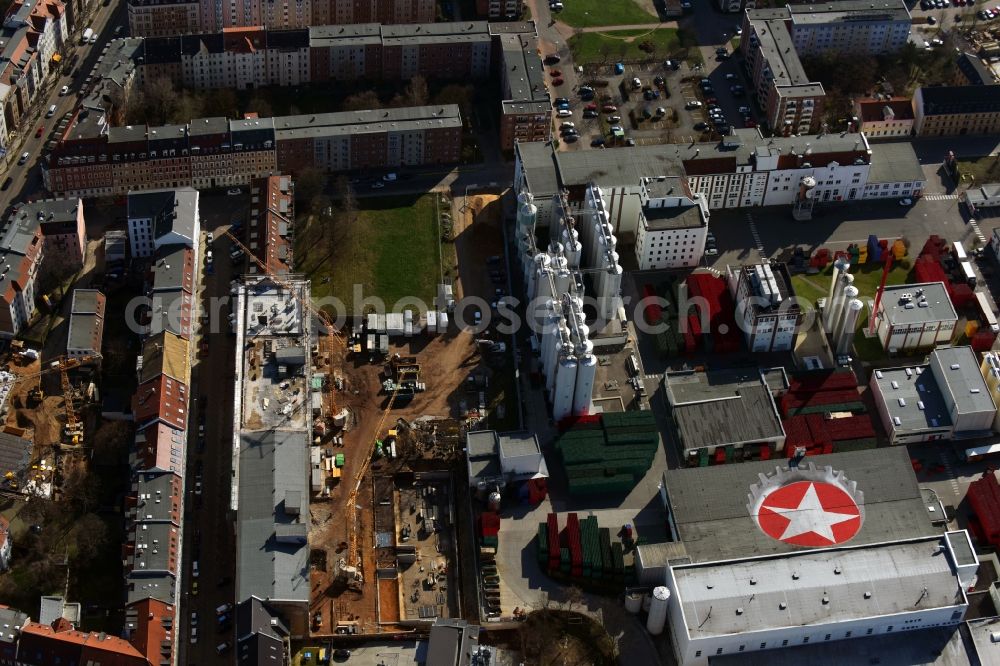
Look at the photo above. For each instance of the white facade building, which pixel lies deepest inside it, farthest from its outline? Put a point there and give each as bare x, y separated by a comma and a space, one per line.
915, 316
813, 596
850, 26
947, 398
157, 218
672, 226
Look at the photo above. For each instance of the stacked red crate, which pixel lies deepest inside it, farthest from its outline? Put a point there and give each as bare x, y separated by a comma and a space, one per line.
573, 543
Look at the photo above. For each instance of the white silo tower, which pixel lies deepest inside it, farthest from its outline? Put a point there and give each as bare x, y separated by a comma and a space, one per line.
550, 338
658, 610
571, 243
562, 276
607, 299
846, 340
562, 396
850, 293
840, 266
585, 373
836, 306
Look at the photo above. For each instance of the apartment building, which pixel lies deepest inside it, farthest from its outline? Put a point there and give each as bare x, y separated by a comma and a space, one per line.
526, 106
885, 119
161, 218
672, 225
849, 26
792, 102
957, 110
970, 70
161, 18
32, 33
272, 213
40, 235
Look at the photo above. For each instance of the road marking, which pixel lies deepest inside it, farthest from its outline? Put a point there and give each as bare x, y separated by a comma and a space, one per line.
975, 228
950, 471
756, 236
940, 197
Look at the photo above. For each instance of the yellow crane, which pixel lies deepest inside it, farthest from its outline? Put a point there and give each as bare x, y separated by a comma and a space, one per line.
351, 568
63, 364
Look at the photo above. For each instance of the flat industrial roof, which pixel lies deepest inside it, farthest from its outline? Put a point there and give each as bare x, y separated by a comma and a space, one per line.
721, 407
815, 587
717, 525
895, 162
963, 381
674, 217
902, 312
913, 396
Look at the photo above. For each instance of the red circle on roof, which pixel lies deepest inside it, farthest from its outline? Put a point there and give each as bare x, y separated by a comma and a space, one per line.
809, 513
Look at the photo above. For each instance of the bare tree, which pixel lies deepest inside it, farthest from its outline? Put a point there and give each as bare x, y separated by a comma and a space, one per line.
260, 106
80, 489
416, 91
222, 102
362, 100
309, 184
90, 536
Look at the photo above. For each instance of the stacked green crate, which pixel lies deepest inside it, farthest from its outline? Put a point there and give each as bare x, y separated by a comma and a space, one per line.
618, 560
543, 544
591, 565
491, 541
607, 564
855, 444
619, 484
564, 561
609, 456
702, 457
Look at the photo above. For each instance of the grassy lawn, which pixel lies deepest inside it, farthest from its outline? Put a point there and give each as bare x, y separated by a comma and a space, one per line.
981, 170
590, 13
394, 251
866, 279
624, 45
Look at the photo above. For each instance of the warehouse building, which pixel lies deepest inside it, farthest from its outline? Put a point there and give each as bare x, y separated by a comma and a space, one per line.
943, 399
779, 557
724, 415
911, 317
494, 457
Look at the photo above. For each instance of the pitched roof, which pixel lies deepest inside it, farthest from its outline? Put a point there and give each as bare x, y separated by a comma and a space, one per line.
165, 353
41, 645
149, 625
162, 398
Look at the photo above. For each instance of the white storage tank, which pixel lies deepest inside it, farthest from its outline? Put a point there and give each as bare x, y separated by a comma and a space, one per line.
585, 374
432, 321
442, 322
571, 243
846, 340
850, 294
562, 398
633, 602
658, 611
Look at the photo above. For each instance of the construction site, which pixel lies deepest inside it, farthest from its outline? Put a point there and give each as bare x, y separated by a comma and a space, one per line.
395, 396
45, 414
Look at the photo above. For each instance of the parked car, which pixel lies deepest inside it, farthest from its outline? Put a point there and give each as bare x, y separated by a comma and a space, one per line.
730, 77
24, 157
906, 201
223, 647
701, 127
63, 91
564, 113
39, 131
693, 104
567, 125
557, 82
590, 113
599, 141
560, 101
555, 72
609, 108
552, 58
234, 191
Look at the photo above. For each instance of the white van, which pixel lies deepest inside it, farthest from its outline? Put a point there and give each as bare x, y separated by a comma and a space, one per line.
51, 112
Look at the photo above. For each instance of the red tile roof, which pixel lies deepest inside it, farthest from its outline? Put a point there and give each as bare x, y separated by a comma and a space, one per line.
156, 451
163, 398
153, 623
871, 109
42, 645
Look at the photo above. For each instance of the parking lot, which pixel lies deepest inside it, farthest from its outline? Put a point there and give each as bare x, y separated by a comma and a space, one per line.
664, 102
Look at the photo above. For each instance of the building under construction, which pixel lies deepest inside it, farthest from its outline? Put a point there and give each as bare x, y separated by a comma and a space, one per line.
270, 448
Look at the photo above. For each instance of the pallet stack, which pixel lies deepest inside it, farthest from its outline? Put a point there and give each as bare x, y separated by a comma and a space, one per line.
609, 455
583, 552
822, 412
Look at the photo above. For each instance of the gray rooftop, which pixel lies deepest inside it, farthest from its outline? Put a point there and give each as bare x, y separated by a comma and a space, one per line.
51, 210
11, 618
259, 634
962, 379
984, 195
895, 162
155, 495
139, 587
939, 307
717, 525
170, 210
359, 34
523, 68
546, 169
272, 464
915, 398
775, 43
350, 123
170, 270
674, 217
153, 542
981, 632
739, 597
721, 407
85, 301
85, 332
15, 453
452, 642
516, 444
